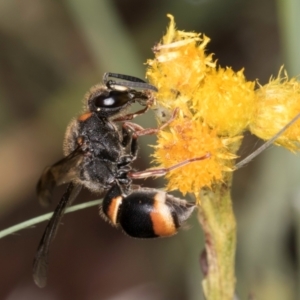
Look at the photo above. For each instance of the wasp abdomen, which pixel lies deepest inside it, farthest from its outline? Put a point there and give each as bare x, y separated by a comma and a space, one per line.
146, 213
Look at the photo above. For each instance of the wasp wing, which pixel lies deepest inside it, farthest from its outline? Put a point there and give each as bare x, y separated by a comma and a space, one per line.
64, 171
40, 264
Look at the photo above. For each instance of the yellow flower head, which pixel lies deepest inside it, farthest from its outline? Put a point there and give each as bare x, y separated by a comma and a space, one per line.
278, 102
187, 78
179, 66
214, 104
190, 139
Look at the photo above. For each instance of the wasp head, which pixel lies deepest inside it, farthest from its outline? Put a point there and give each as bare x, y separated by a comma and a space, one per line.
115, 96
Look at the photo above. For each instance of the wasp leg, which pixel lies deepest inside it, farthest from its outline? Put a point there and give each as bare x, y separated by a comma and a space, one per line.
130, 139
126, 136
40, 263
132, 116
140, 131
163, 171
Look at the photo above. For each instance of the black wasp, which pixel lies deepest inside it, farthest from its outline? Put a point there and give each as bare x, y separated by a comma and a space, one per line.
98, 156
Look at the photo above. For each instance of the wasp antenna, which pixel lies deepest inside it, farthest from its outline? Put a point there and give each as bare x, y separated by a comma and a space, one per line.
138, 85
132, 82
121, 76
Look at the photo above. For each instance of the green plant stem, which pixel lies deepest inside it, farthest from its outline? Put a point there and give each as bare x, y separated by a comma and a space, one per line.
45, 217
219, 226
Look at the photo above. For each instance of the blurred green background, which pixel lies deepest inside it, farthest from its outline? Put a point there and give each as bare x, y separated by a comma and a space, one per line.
51, 53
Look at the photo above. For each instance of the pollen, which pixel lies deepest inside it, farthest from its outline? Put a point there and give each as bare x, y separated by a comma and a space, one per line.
278, 102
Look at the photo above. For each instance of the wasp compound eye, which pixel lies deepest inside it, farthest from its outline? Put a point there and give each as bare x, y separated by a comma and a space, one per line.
113, 100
